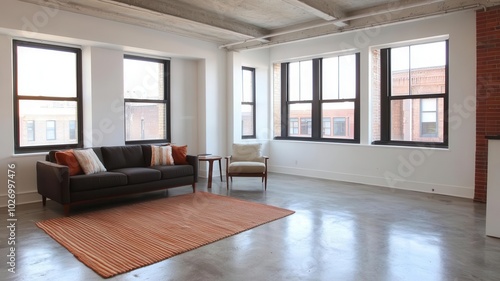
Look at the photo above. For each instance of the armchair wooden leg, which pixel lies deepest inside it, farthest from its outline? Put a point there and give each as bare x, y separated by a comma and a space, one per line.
44, 201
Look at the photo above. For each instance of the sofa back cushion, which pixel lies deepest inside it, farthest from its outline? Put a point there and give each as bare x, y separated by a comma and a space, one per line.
118, 157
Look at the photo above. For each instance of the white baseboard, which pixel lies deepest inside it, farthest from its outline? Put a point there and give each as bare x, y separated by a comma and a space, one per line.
434, 188
21, 198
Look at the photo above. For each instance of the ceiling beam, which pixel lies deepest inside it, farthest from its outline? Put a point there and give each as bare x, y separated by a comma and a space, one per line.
323, 9
193, 14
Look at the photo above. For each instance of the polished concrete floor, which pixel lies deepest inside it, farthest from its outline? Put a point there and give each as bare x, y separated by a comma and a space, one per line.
340, 231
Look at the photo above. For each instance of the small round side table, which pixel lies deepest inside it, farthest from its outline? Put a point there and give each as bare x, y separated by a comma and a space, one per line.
210, 159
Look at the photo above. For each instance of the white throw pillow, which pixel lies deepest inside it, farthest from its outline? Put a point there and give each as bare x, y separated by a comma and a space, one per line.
89, 161
161, 155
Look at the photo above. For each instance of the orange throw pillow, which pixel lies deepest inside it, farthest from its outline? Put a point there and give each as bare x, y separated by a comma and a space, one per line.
67, 158
179, 153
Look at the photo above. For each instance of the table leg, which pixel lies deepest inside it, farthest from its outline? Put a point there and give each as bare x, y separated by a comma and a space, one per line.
210, 169
220, 170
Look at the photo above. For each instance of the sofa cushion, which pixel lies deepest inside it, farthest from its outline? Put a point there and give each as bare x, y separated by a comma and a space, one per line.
96, 181
67, 158
88, 160
168, 172
161, 155
139, 174
179, 154
127, 156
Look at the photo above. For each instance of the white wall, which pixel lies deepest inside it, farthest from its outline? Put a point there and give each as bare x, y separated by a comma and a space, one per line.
444, 171
197, 84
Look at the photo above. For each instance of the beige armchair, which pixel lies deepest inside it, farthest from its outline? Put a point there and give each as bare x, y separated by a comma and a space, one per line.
246, 160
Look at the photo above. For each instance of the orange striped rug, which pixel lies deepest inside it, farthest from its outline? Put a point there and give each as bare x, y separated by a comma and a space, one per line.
124, 238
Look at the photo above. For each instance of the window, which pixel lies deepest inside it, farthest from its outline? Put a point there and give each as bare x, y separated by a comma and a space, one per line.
72, 129
147, 105
327, 126
30, 130
47, 90
294, 126
305, 126
248, 103
50, 130
315, 92
414, 95
339, 126
428, 118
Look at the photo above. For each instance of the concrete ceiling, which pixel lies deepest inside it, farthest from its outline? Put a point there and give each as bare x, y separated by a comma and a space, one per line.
246, 24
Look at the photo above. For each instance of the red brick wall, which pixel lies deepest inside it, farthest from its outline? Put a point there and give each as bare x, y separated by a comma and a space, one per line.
487, 91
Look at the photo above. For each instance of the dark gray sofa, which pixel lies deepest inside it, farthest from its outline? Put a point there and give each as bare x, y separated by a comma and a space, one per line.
128, 172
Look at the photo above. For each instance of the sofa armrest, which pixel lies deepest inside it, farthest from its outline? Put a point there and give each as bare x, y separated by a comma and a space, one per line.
193, 161
53, 181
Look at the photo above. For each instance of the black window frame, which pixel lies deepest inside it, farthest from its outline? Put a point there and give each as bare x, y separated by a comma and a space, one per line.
386, 98
252, 103
165, 101
18, 149
316, 105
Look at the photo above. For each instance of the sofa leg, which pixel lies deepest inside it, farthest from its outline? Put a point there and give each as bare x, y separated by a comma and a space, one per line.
194, 187
44, 201
66, 210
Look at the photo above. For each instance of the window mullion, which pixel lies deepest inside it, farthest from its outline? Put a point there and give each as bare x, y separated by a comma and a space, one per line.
316, 105
385, 84
284, 99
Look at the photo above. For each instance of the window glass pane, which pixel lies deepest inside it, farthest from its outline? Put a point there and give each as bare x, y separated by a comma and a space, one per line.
277, 100
48, 73
410, 123
347, 77
400, 71
145, 121
330, 78
303, 113
35, 114
247, 120
428, 68
428, 55
294, 81
248, 86
342, 114
143, 79
300, 81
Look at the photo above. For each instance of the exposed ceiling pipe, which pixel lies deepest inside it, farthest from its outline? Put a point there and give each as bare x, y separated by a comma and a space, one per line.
375, 13
460, 9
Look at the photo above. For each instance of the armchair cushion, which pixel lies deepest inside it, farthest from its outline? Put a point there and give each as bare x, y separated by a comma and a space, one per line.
247, 152
246, 167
